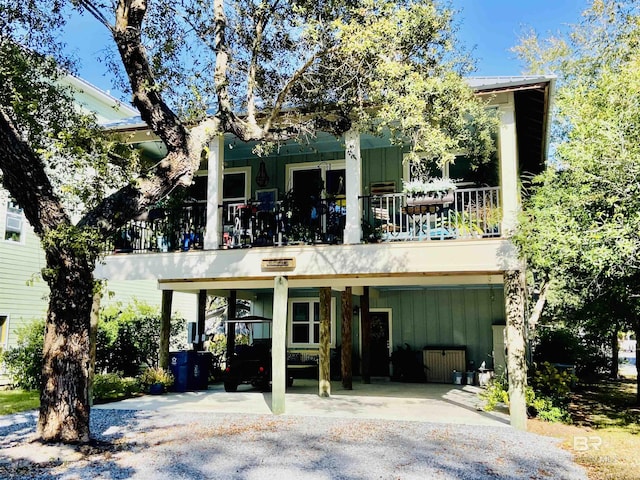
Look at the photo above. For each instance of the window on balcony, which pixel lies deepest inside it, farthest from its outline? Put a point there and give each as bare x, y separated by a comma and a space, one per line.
14, 223
323, 179
304, 322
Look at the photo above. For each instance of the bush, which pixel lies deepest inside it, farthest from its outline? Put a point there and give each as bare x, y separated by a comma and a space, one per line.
570, 346
128, 338
156, 376
23, 363
538, 405
112, 386
552, 382
128, 341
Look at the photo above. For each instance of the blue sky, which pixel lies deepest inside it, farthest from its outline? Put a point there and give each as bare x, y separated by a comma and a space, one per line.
492, 27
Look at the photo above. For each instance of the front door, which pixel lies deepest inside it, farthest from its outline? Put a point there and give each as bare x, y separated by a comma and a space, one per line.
379, 366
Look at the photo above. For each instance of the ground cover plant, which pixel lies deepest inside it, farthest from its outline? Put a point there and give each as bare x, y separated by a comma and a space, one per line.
14, 401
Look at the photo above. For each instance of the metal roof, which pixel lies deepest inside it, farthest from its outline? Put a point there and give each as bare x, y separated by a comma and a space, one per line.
476, 83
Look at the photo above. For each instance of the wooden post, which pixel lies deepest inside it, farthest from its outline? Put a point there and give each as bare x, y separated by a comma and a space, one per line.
165, 329
346, 351
231, 326
365, 320
324, 385
202, 312
516, 348
279, 345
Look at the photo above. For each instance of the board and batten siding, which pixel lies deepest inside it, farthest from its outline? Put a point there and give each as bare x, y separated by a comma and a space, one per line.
429, 316
460, 316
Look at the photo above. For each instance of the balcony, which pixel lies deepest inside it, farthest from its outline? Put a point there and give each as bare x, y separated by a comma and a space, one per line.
469, 213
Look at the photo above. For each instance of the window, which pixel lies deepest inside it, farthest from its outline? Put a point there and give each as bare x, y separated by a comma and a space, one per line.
236, 185
4, 331
430, 168
304, 322
14, 223
326, 178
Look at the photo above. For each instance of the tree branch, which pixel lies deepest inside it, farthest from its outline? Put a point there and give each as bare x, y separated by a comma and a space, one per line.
95, 12
25, 178
282, 95
146, 96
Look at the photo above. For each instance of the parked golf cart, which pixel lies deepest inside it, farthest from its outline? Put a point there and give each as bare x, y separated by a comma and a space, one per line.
251, 364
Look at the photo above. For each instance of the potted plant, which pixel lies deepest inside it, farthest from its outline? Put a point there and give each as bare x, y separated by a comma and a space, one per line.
156, 380
429, 191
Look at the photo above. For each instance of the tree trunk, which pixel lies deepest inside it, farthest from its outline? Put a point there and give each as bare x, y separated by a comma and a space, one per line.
64, 396
516, 349
346, 351
365, 320
324, 384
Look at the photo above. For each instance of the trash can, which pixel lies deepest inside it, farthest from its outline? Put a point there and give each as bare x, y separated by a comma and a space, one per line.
457, 377
470, 378
183, 367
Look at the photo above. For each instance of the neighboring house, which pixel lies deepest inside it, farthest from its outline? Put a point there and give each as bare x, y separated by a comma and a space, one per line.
332, 214
23, 292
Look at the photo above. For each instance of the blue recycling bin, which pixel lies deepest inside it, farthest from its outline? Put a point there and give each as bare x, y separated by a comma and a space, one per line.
190, 370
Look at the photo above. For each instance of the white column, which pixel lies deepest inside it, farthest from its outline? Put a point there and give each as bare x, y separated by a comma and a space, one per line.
509, 176
215, 168
353, 226
279, 345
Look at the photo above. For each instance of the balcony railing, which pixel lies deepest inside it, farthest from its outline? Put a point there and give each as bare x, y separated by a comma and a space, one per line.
163, 231
470, 213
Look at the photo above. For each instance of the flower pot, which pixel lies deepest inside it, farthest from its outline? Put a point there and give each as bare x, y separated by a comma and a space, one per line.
156, 389
430, 199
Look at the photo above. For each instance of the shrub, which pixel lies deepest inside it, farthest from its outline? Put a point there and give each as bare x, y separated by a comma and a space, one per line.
552, 382
156, 375
23, 363
495, 393
112, 386
127, 342
540, 406
128, 338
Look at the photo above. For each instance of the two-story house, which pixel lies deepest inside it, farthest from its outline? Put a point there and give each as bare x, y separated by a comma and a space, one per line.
323, 234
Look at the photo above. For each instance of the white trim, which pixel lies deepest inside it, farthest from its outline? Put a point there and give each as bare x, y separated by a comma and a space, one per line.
406, 174
309, 301
17, 217
4, 329
247, 184
324, 166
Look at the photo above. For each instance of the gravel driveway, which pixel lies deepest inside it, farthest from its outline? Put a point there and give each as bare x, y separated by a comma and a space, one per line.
160, 445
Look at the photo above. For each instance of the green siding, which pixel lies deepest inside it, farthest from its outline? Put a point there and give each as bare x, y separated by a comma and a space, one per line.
459, 316
23, 293
452, 316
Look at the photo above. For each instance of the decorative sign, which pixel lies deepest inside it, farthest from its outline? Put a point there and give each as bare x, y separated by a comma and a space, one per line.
276, 264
